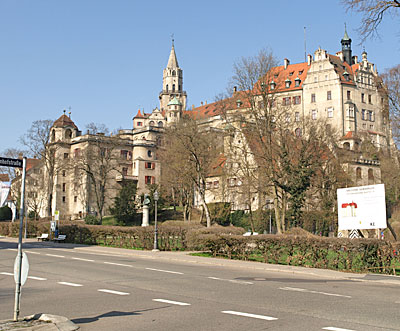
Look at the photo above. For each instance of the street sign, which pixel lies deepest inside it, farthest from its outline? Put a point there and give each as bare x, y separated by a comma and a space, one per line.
15, 163
57, 215
53, 226
24, 269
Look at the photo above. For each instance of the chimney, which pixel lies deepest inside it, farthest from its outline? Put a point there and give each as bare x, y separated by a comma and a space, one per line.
192, 106
355, 59
206, 101
234, 89
201, 103
309, 59
286, 62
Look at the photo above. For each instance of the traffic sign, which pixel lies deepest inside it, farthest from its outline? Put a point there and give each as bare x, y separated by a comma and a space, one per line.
15, 163
24, 268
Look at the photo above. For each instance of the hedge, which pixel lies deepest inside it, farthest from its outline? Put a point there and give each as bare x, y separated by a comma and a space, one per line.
356, 255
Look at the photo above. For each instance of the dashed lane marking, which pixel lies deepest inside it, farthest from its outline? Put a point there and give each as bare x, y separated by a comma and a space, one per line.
37, 278
80, 259
120, 264
167, 271
172, 302
113, 292
331, 328
54, 255
238, 313
232, 281
30, 252
70, 284
315, 292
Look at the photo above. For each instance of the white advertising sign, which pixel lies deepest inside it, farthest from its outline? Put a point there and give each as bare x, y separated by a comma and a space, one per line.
4, 190
362, 207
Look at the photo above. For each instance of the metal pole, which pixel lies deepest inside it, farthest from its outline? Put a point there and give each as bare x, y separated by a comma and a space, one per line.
155, 224
21, 224
270, 223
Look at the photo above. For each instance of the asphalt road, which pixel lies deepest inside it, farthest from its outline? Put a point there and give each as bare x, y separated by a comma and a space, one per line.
101, 288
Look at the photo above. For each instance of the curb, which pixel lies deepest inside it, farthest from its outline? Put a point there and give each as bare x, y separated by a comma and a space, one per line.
55, 322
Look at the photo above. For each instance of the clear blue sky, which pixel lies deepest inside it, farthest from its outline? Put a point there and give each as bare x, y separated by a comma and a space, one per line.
104, 58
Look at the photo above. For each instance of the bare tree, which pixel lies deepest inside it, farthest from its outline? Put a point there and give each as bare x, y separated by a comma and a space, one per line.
98, 164
188, 154
372, 12
37, 140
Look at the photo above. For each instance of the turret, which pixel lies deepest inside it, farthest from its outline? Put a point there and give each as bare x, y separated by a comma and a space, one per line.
346, 48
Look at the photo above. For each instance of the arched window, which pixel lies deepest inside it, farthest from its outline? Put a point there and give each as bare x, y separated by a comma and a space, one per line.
68, 134
358, 173
160, 124
151, 123
173, 87
346, 146
297, 132
53, 136
166, 87
173, 73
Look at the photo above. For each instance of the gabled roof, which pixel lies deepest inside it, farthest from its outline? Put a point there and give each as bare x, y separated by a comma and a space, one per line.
64, 121
217, 167
342, 67
139, 115
279, 75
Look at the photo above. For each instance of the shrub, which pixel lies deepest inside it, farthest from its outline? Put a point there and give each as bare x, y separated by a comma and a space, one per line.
5, 213
92, 220
219, 212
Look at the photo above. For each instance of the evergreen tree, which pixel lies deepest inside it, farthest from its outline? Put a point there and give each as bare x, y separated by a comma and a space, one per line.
124, 208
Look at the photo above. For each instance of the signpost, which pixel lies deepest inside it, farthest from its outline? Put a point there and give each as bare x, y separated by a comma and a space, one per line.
7, 162
24, 269
362, 207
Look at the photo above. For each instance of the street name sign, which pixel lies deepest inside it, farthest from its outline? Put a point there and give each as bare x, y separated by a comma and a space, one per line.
362, 207
7, 162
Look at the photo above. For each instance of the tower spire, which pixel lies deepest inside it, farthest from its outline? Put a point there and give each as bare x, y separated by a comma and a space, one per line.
346, 47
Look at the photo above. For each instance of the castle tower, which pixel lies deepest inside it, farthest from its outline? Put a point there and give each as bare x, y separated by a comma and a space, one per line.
172, 82
173, 111
346, 48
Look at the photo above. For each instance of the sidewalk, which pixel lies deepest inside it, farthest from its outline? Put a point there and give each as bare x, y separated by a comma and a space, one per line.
185, 257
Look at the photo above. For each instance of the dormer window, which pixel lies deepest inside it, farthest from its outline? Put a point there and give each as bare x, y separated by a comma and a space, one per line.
301, 72
291, 73
238, 103
287, 83
346, 75
297, 81
272, 84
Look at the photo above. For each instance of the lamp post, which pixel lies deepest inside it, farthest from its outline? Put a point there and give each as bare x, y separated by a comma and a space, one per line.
270, 203
155, 196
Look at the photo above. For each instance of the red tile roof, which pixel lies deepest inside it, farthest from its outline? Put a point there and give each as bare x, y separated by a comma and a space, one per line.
4, 178
341, 67
139, 115
64, 121
218, 166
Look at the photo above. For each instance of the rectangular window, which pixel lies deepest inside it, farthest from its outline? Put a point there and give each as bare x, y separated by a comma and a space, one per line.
363, 114
63, 173
124, 154
314, 114
149, 180
208, 185
329, 95
297, 116
149, 165
370, 115
351, 112
139, 123
370, 99
125, 171
75, 198
363, 97
231, 182
297, 100
65, 155
64, 186
77, 152
216, 183
330, 112
313, 97
63, 199
348, 95
286, 101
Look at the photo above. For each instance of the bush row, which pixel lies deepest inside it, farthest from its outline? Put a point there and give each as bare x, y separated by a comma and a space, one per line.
356, 255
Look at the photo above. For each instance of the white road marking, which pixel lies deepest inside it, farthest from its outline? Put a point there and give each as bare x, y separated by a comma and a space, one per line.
315, 292
232, 281
262, 317
7, 273
335, 329
78, 258
54, 255
120, 264
11, 249
172, 302
170, 272
113, 292
70, 284
37, 278
30, 252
